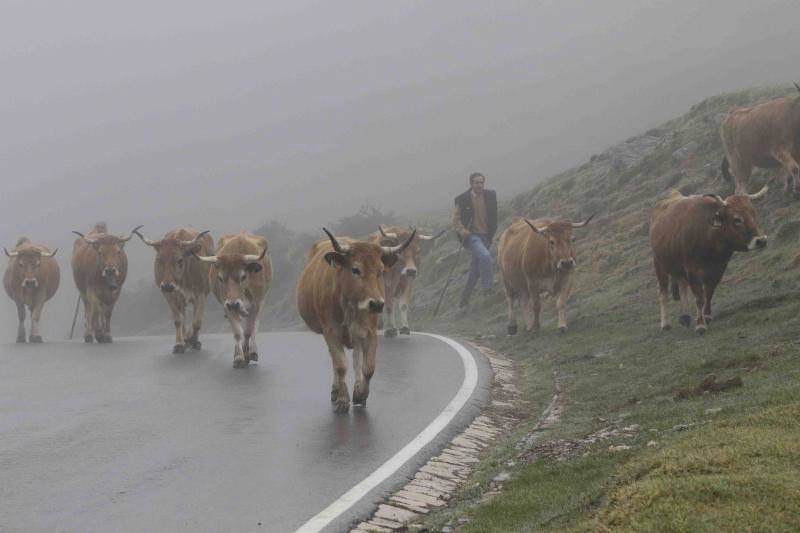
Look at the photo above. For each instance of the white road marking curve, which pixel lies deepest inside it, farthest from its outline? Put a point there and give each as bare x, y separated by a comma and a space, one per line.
352, 496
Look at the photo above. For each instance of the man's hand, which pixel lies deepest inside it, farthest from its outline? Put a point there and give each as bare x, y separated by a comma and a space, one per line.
464, 233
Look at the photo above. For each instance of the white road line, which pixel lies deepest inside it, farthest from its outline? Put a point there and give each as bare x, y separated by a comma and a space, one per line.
352, 496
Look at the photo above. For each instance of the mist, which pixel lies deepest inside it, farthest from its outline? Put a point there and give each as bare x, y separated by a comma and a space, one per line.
222, 118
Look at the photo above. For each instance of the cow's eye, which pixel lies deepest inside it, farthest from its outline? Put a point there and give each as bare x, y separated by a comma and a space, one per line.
737, 220
356, 271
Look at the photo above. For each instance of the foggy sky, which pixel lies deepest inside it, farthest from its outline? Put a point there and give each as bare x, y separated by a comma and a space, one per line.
224, 116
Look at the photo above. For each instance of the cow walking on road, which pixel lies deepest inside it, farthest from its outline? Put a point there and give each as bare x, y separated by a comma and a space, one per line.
99, 267
183, 280
693, 238
240, 276
31, 278
399, 280
537, 257
766, 135
341, 295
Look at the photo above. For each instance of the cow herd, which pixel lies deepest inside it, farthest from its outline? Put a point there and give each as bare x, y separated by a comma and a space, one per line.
347, 284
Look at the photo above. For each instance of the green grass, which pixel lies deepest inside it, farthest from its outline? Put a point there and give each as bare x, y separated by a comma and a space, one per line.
734, 469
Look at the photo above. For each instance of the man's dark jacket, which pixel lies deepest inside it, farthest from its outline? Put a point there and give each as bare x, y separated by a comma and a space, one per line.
464, 203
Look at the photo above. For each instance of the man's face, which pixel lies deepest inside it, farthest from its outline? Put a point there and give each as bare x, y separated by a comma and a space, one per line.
477, 184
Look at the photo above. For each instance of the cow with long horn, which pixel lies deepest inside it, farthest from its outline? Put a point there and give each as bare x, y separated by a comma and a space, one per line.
183, 279
537, 257
99, 267
399, 280
340, 295
693, 238
31, 278
240, 276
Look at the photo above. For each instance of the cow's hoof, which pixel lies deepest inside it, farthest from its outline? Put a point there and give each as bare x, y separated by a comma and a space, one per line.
334, 394
239, 362
88, 338
708, 319
21, 339
254, 356
37, 339
562, 329
685, 320
196, 345
389, 333
341, 406
405, 331
701, 330
179, 348
666, 327
512, 329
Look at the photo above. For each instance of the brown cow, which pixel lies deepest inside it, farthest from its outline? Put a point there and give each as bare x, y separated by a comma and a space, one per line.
183, 279
99, 267
399, 280
537, 257
693, 238
240, 276
31, 278
766, 135
340, 294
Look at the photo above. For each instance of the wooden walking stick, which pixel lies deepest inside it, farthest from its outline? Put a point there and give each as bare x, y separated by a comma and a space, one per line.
75, 318
449, 279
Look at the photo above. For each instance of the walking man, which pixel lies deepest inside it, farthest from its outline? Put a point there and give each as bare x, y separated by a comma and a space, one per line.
475, 221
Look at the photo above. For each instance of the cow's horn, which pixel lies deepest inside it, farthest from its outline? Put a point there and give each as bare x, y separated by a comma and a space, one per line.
145, 240
51, 254
205, 258
196, 239
84, 237
797, 87
431, 238
126, 239
12, 254
251, 258
534, 228
583, 224
387, 235
399, 248
336, 246
759, 194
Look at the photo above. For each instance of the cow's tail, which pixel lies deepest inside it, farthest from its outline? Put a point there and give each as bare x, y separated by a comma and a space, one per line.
725, 168
676, 290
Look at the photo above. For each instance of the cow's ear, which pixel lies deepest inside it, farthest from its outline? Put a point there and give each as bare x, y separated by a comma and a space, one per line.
254, 267
334, 259
389, 259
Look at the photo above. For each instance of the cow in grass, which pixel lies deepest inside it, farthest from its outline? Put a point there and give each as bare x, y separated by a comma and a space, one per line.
240, 276
399, 280
31, 279
693, 238
537, 258
183, 279
766, 135
340, 294
99, 267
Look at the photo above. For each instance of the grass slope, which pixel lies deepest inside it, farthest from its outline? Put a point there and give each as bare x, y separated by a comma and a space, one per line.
715, 461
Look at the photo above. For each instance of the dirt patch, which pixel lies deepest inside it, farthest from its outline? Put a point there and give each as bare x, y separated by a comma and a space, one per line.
709, 385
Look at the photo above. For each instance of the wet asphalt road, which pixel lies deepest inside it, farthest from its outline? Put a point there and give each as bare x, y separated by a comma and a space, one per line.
129, 437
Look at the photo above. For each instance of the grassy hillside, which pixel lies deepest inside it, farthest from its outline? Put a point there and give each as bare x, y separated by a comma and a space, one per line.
711, 461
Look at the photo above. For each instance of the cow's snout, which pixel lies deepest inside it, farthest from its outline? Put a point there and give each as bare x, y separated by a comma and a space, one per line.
167, 287
30, 283
233, 305
410, 272
375, 306
758, 243
566, 264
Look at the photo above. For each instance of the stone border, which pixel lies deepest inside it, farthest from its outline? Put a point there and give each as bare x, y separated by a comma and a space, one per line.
438, 479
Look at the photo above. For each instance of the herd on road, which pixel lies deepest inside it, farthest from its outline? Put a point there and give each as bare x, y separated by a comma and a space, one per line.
347, 284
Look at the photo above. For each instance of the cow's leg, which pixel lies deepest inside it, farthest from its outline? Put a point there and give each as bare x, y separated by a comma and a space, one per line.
787, 160
663, 295
405, 300
178, 309
683, 290
561, 305
250, 330
108, 309
364, 366
390, 327
535, 311
741, 174
88, 314
239, 360
710, 285
699, 297
36, 315
21, 325
512, 320
197, 322
340, 396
